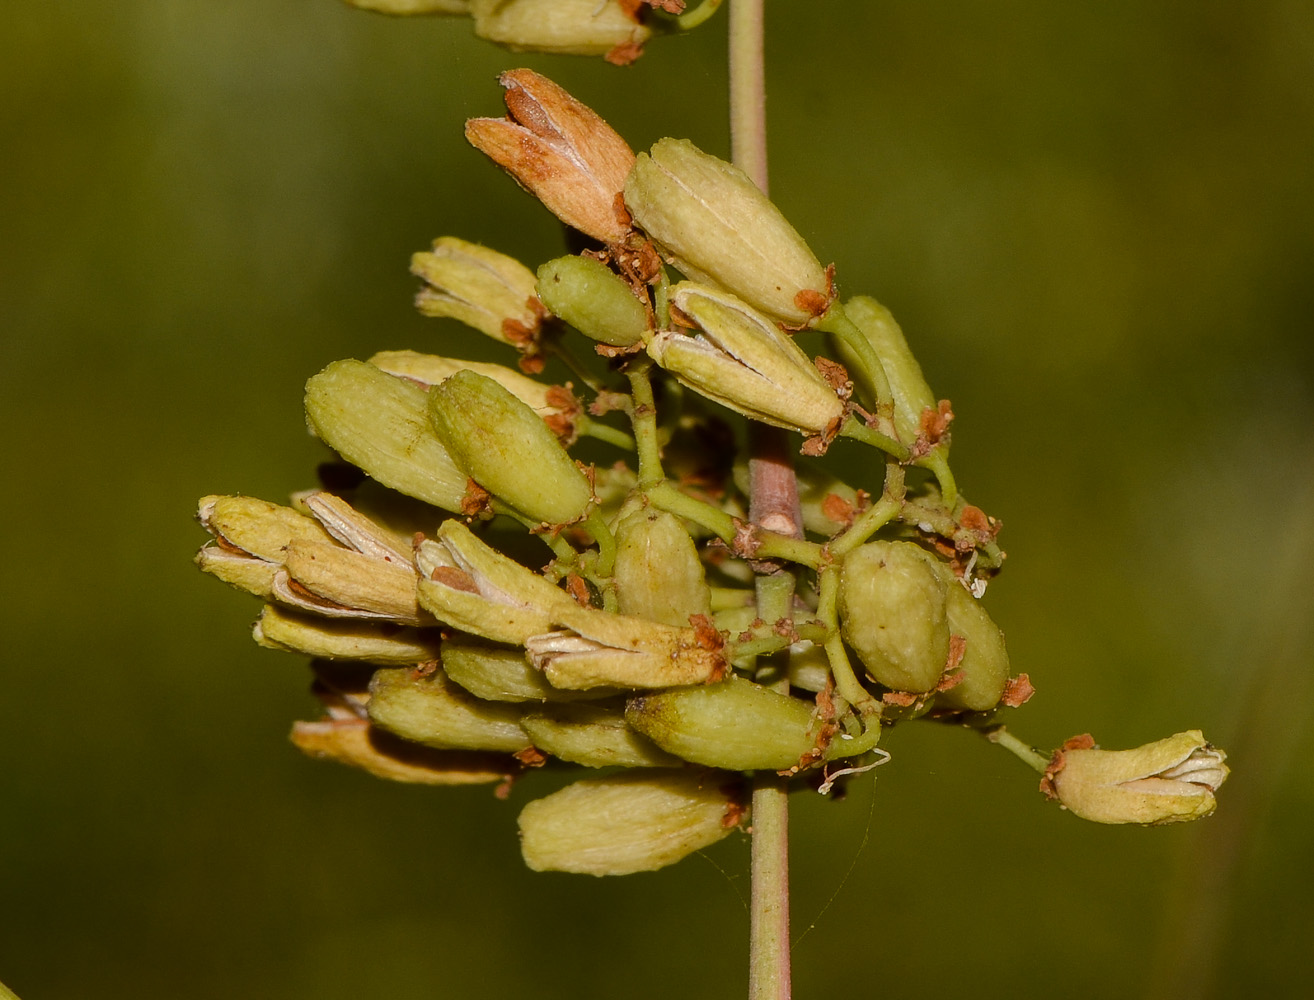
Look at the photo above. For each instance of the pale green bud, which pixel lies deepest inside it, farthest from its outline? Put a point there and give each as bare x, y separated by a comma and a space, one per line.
475, 588
506, 448
559, 150
984, 663
500, 673
743, 361
628, 823
892, 605
425, 707
593, 299
1171, 781
381, 424
601, 649
657, 573
592, 736
736, 725
480, 287
358, 744
550, 402
345, 639
912, 396
717, 226
567, 27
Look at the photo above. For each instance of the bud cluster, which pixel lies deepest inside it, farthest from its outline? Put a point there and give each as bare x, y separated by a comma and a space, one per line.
480, 601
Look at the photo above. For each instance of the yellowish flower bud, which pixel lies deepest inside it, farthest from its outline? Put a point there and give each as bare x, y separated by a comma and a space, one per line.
472, 587
628, 823
356, 743
657, 573
506, 448
480, 287
336, 581
500, 673
743, 361
559, 151
425, 707
892, 605
736, 725
381, 424
593, 299
1171, 781
257, 527
600, 649
593, 736
717, 226
345, 639
567, 27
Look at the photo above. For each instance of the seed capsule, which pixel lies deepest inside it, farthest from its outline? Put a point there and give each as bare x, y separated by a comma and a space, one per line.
628, 823
593, 299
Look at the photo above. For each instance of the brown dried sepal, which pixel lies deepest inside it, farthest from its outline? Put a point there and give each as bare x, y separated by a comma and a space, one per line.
813, 302
819, 444
1017, 691
1059, 760
566, 408
531, 757
476, 502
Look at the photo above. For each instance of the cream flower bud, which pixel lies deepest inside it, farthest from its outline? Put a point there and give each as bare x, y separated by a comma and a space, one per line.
559, 151
1171, 781
381, 424
568, 27
501, 673
892, 612
472, 587
425, 707
743, 361
593, 299
593, 736
404, 7
718, 226
628, 823
356, 743
345, 639
506, 448
480, 287
657, 573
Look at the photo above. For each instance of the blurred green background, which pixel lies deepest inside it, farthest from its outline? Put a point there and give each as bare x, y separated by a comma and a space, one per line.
1095, 223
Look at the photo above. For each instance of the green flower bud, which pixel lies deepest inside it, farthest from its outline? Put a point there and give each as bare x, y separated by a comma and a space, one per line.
984, 664
593, 299
735, 725
356, 743
657, 573
480, 287
558, 150
500, 673
600, 649
627, 823
892, 605
472, 587
743, 361
345, 639
381, 424
1171, 781
592, 736
567, 27
907, 384
718, 227
428, 708
506, 448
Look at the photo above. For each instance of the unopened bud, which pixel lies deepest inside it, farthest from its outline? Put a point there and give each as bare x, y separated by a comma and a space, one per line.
480, 287
892, 612
743, 361
593, 736
499, 673
551, 402
472, 587
345, 638
567, 27
381, 424
657, 573
506, 448
257, 527
719, 227
983, 668
356, 743
425, 707
1171, 781
358, 584
405, 7
558, 150
628, 823
736, 725
593, 299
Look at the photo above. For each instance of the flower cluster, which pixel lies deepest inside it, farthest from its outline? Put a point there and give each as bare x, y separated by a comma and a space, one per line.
479, 602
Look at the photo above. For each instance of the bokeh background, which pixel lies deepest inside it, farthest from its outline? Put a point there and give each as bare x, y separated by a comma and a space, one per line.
1095, 223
